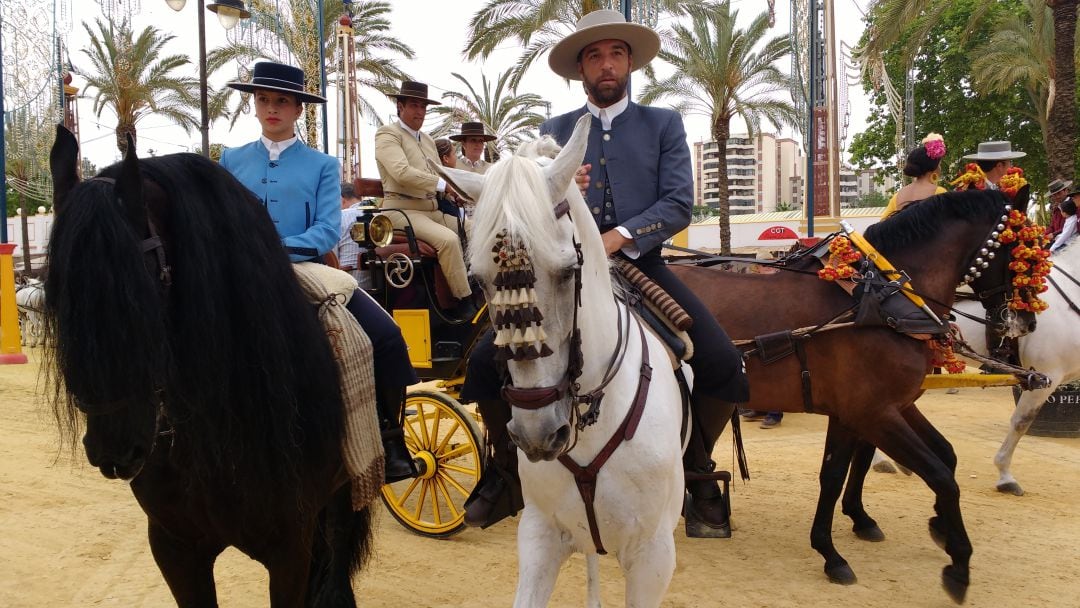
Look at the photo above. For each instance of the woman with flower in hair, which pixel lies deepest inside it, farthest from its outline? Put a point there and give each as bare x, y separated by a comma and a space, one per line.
922, 164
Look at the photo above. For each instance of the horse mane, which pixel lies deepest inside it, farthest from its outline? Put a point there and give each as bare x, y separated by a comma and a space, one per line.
242, 363
917, 223
513, 187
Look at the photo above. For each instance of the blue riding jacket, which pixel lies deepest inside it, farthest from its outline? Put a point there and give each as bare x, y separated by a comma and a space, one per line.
301, 190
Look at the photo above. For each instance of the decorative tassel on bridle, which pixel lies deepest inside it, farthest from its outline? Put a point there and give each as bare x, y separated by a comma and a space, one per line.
519, 334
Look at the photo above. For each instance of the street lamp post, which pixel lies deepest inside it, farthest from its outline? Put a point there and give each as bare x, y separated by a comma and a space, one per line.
229, 13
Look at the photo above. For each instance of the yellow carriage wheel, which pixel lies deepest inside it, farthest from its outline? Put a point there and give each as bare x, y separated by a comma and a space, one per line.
446, 442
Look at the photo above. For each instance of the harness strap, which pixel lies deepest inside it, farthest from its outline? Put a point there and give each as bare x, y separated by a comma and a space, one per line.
1064, 295
804, 376
585, 477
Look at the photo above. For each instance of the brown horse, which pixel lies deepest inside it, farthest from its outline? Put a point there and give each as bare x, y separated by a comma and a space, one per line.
866, 379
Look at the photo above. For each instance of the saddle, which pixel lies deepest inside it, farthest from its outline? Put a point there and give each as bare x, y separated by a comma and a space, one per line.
361, 444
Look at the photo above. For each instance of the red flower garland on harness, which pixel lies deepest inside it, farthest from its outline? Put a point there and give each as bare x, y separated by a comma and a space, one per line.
841, 257
1030, 262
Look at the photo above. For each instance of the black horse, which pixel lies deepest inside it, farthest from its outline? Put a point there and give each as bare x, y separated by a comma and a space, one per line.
203, 373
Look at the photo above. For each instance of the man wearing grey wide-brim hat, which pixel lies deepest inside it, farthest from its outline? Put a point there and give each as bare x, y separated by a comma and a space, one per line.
637, 181
995, 158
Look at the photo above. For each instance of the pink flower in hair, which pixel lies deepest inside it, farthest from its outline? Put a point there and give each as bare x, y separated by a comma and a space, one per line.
935, 149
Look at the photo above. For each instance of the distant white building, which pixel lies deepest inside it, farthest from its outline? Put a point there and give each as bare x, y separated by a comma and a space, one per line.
868, 181
762, 173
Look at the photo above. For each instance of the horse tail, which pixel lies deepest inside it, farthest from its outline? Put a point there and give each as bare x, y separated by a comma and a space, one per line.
342, 545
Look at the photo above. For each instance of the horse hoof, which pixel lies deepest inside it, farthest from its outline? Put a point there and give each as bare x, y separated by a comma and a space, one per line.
841, 575
872, 534
884, 467
1010, 488
955, 586
937, 532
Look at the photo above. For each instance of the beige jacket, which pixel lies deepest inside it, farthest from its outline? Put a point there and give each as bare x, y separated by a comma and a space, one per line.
408, 182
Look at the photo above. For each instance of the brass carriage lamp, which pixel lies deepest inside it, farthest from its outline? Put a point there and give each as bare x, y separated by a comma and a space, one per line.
371, 229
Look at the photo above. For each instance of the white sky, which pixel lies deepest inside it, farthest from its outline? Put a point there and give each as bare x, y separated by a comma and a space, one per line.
435, 29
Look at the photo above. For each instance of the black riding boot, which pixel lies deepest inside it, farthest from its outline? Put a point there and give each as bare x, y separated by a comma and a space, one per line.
390, 401
498, 494
705, 509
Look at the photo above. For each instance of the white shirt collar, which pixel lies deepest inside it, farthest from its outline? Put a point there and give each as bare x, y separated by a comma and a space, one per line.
275, 148
415, 134
610, 112
473, 164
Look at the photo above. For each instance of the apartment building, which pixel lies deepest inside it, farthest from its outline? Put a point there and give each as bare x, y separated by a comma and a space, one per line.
763, 173
876, 180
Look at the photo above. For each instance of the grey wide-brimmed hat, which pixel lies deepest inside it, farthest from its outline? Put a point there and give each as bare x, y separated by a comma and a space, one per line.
270, 76
995, 150
414, 90
472, 129
1058, 185
603, 25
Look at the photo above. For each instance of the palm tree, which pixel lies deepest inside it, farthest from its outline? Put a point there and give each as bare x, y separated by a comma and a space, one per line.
909, 21
719, 73
536, 25
133, 80
510, 117
1020, 51
295, 32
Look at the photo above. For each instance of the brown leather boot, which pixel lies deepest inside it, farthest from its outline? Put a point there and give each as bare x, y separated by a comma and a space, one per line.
705, 509
399, 462
498, 494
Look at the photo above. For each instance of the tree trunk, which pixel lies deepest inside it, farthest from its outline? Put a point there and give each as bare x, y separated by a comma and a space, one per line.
721, 130
1061, 140
122, 131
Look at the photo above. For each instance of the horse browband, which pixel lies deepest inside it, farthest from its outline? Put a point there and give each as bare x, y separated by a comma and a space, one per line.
150, 244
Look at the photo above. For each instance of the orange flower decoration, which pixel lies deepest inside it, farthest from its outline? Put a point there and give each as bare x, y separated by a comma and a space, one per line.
841, 257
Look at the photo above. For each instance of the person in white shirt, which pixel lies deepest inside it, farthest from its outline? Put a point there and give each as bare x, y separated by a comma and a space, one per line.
1069, 230
348, 251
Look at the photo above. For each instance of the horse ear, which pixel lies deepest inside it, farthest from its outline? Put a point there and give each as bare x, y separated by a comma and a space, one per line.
63, 164
1022, 198
467, 183
561, 172
129, 184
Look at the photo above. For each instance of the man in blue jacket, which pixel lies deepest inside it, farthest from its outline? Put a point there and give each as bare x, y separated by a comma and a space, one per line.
637, 180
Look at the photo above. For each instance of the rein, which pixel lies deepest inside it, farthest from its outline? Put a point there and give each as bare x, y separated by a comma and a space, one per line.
1061, 291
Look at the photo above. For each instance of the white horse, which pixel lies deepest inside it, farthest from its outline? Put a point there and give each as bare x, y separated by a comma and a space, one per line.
30, 301
1050, 349
523, 231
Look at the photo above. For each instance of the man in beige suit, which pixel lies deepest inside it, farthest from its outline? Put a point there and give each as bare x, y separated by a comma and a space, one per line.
402, 152
473, 139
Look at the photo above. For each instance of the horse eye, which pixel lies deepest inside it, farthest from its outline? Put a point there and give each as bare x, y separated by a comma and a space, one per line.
567, 273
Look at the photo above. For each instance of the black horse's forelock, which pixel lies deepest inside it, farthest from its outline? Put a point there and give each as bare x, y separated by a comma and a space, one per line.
918, 222
242, 362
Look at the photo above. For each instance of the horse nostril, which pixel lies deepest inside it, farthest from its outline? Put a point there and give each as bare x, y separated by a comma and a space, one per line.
560, 437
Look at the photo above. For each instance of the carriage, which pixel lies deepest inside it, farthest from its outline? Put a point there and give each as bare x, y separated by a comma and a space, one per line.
442, 434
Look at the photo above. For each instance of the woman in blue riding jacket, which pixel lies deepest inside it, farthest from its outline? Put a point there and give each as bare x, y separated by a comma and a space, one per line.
301, 190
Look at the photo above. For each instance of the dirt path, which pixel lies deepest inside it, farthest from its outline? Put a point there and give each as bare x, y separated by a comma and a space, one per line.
68, 537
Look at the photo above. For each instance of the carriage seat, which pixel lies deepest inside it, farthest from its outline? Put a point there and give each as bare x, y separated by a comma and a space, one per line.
400, 244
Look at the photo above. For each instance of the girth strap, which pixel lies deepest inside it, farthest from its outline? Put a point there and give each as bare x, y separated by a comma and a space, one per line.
585, 477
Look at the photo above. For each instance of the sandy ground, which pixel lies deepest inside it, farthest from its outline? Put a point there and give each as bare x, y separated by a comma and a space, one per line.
69, 537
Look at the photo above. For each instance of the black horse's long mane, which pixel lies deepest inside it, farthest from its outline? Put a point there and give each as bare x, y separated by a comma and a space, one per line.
233, 348
917, 223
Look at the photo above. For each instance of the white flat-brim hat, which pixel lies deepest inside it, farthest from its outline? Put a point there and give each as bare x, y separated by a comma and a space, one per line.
995, 150
603, 25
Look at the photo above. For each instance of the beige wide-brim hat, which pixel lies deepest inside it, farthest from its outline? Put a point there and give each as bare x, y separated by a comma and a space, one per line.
995, 150
603, 25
